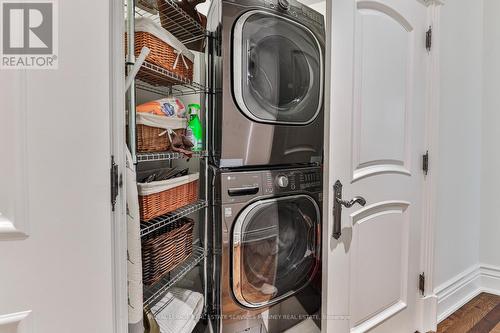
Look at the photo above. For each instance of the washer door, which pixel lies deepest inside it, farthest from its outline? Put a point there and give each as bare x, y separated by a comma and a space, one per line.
278, 69
275, 249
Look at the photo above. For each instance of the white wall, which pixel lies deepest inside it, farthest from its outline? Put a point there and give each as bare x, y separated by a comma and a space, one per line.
468, 224
459, 161
468, 219
490, 171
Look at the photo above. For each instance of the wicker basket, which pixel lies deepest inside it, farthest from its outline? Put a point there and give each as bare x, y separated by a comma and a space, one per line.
152, 131
154, 139
166, 249
163, 55
159, 198
166, 52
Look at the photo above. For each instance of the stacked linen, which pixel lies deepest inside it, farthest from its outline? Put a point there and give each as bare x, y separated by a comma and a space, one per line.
179, 311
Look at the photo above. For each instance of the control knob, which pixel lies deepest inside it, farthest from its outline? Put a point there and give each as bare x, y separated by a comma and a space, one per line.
282, 181
284, 4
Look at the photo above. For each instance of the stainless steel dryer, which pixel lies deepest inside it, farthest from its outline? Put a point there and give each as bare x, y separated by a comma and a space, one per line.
267, 246
266, 62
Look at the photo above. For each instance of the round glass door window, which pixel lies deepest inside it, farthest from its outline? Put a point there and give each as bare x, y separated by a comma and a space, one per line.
275, 249
278, 69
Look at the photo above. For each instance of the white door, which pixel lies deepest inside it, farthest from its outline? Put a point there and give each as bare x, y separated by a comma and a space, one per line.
55, 213
378, 99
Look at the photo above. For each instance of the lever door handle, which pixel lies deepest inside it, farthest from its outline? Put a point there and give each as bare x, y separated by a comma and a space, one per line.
337, 208
356, 200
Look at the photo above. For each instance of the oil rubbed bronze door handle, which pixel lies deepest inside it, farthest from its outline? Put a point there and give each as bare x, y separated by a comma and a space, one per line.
352, 202
337, 208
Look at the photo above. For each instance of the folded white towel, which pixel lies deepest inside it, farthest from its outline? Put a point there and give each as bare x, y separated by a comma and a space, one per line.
179, 311
307, 325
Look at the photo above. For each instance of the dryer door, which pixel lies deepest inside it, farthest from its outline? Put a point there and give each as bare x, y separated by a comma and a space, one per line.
275, 249
278, 69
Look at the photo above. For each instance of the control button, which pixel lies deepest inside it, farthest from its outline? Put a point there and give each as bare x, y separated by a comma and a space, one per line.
282, 181
284, 4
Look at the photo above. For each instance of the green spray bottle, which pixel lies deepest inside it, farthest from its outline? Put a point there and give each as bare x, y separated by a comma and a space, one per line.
195, 128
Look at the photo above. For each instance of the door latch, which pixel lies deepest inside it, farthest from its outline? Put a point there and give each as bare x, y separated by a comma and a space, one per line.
116, 182
425, 163
337, 207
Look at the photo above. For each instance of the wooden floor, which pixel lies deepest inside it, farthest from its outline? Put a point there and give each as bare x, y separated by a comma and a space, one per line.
480, 315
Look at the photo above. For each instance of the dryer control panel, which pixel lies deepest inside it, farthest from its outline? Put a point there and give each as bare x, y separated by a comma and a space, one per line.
295, 9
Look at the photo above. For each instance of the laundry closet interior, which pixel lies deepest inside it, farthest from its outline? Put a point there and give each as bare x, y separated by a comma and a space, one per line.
225, 116
172, 173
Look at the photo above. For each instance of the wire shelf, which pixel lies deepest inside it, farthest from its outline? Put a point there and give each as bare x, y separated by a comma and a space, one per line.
150, 226
154, 293
172, 90
157, 79
166, 156
159, 76
176, 20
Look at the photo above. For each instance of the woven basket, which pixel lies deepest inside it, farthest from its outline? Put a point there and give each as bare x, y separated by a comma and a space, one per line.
154, 139
162, 55
157, 204
166, 249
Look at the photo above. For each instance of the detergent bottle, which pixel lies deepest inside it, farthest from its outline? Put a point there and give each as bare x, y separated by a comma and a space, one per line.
195, 128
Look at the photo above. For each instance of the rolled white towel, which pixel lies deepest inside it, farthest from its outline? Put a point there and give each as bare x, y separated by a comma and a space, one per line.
134, 259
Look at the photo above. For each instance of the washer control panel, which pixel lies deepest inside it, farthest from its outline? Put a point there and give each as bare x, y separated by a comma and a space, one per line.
244, 186
293, 180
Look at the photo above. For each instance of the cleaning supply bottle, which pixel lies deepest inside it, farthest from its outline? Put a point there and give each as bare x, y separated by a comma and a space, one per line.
195, 128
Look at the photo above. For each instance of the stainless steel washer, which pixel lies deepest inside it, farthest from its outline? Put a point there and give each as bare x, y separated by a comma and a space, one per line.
268, 226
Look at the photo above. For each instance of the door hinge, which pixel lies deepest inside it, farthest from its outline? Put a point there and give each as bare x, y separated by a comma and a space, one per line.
428, 39
421, 284
115, 182
425, 163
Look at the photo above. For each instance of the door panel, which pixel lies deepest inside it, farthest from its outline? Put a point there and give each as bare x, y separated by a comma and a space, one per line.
13, 191
56, 260
383, 76
377, 140
380, 273
13, 188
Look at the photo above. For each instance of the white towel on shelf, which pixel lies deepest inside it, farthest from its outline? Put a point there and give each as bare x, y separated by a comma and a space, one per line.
134, 259
307, 325
179, 311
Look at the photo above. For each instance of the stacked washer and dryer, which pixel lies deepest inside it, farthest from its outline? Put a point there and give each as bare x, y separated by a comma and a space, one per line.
266, 68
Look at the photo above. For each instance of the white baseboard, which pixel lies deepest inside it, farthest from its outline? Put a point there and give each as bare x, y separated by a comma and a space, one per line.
490, 279
456, 292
